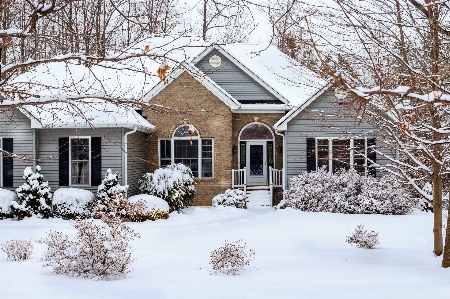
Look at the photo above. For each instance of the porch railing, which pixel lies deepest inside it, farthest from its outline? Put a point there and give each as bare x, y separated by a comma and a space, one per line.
275, 179
239, 179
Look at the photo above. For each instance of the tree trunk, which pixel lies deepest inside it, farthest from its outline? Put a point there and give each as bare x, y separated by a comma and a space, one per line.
446, 259
437, 210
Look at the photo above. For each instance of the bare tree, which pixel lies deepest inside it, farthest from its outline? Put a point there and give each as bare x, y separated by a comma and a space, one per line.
392, 58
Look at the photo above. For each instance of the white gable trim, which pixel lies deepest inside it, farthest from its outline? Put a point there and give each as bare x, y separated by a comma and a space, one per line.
201, 78
250, 73
281, 125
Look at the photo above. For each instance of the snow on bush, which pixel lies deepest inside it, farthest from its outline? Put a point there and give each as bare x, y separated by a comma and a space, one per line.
6, 197
155, 208
347, 192
363, 238
97, 251
108, 189
17, 250
231, 198
175, 184
34, 196
72, 203
231, 258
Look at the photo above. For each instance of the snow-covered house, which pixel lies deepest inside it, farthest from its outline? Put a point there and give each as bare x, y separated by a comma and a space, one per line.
240, 116
249, 117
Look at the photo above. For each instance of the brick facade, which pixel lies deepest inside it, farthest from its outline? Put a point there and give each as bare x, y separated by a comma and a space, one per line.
196, 105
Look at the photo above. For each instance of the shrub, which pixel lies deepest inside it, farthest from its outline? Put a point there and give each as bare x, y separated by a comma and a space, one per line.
231, 258
155, 208
231, 198
6, 197
363, 238
97, 251
17, 250
108, 189
72, 203
347, 192
34, 196
175, 184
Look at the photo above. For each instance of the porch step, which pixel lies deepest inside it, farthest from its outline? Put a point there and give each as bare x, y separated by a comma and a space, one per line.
258, 198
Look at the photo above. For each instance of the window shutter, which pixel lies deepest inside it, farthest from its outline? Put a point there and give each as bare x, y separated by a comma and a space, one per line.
96, 161
372, 155
64, 161
243, 155
8, 163
311, 154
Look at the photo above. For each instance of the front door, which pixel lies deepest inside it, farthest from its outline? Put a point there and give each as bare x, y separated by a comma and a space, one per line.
256, 162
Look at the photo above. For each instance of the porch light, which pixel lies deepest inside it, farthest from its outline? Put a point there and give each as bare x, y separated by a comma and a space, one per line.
234, 149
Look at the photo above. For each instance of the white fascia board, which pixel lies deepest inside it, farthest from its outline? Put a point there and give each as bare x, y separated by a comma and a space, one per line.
281, 125
35, 123
263, 108
201, 78
252, 75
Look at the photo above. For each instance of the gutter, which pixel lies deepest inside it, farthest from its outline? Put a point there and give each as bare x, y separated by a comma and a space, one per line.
125, 158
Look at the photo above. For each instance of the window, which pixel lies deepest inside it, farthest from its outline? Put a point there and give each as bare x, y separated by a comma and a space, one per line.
186, 147
333, 154
80, 160
1, 164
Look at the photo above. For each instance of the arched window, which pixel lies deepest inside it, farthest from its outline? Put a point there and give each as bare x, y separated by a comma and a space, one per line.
188, 148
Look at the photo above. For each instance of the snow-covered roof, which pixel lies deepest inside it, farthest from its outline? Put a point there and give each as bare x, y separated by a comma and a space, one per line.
85, 114
279, 72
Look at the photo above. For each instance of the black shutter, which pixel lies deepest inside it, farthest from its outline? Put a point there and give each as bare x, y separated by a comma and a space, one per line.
64, 161
372, 155
311, 154
96, 161
8, 163
243, 156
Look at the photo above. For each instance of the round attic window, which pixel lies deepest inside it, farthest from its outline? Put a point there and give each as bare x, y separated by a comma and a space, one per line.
215, 61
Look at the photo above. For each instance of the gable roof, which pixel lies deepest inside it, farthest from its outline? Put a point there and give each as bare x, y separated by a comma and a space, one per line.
281, 124
283, 77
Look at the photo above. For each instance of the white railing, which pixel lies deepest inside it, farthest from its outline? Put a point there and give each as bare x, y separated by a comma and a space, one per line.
275, 179
239, 178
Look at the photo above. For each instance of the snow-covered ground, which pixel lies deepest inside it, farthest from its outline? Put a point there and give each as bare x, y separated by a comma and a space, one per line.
298, 255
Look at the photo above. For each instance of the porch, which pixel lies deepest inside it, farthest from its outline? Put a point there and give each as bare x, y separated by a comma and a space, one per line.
259, 194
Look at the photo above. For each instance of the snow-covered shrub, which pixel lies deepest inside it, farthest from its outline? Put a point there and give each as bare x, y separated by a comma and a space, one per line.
363, 238
231, 198
175, 184
72, 203
347, 192
6, 197
17, 250
108, 189
97, 251
34, 196
155, 208
231, 258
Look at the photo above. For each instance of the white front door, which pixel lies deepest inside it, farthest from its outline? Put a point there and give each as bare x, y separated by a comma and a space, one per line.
256, 162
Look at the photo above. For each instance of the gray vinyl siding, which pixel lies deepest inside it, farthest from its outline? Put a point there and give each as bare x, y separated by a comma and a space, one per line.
136, 160
48, 146
322, 118
14, 124
235, 81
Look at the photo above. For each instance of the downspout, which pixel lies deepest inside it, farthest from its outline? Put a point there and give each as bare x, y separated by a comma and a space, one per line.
284, 160
34, 148
125, 158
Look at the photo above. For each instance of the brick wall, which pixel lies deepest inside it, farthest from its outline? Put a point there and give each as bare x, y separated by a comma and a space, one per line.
189, 96
183, 99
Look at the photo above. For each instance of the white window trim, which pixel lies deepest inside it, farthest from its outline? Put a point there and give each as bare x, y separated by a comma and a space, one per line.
200, 157
267, 148
330, 152
70, 159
